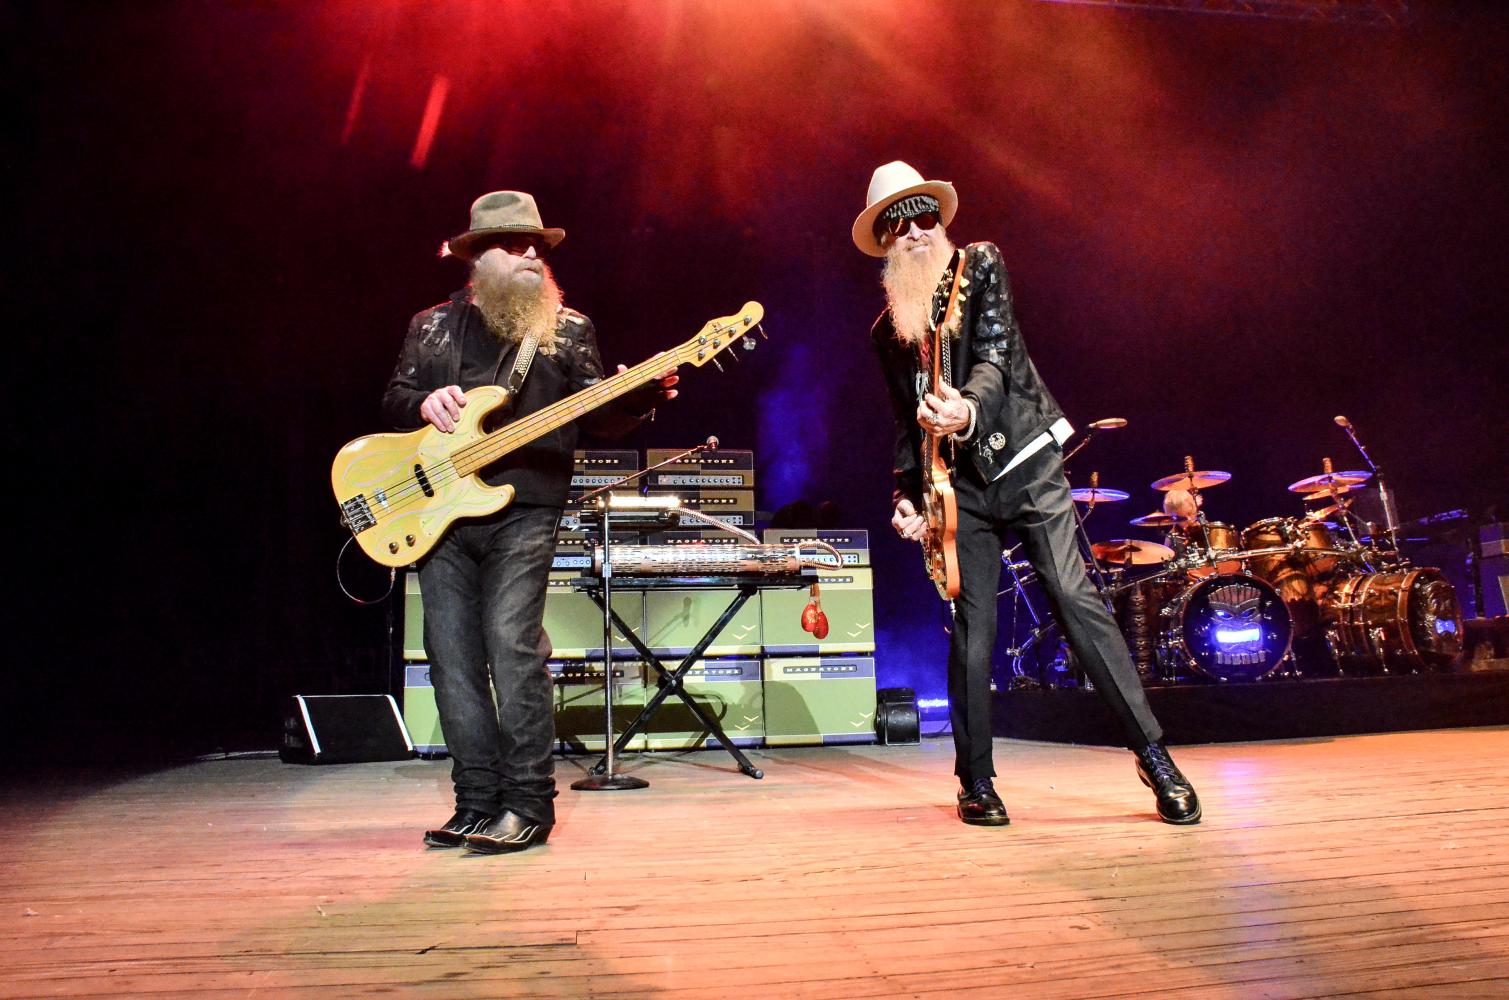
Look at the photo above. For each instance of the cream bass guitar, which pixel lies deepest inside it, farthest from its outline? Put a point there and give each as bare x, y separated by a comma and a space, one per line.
399, 493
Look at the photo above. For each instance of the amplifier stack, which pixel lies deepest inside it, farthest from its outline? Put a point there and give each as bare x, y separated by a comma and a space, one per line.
765, 679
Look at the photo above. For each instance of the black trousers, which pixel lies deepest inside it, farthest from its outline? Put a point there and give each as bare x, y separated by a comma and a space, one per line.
484, 604
1031, 501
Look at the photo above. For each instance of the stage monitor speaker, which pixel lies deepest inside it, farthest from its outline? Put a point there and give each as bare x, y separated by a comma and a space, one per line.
343, 729
897, 720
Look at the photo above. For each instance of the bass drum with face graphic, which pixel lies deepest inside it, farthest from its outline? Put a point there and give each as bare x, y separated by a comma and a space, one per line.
1228, 627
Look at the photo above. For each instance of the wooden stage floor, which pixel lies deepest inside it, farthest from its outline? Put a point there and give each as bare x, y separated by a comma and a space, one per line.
1364, 865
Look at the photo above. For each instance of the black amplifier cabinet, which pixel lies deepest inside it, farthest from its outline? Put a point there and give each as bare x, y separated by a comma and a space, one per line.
1493, 569
736, 507
853, 545
725, 469
593, 469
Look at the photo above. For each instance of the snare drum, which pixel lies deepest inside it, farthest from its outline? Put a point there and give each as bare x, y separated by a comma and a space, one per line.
1229, 627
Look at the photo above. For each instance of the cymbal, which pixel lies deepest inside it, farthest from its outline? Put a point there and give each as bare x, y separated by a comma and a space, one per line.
1129, 551
1334, 481
1099, 494
1158, 519
1327, 511
1198, 480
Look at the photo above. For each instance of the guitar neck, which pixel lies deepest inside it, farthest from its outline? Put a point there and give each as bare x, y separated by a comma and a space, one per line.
518, 433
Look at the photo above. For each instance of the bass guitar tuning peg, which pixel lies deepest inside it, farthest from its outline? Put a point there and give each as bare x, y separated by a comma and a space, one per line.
716, 364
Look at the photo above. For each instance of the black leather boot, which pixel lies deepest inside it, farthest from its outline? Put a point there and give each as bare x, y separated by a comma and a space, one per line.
981, 806
508, 833
1177, 801
453, 833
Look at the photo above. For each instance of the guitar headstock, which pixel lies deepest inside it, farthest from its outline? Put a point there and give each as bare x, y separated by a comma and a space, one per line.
717, 335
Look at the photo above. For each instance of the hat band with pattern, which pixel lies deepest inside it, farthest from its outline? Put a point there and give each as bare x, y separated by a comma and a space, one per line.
915, 205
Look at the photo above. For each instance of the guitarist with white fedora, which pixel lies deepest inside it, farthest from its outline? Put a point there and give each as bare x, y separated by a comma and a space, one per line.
484, 582
1005, 432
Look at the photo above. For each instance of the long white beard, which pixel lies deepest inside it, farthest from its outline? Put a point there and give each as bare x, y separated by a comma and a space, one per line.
910, 279
513, 308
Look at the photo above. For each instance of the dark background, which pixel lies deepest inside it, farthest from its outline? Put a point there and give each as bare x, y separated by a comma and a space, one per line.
1224, 229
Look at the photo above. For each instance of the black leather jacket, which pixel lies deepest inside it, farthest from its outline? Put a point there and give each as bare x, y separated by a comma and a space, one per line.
990, 367
540, 472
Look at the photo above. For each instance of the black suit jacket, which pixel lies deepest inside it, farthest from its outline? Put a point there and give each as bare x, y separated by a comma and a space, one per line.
990, 367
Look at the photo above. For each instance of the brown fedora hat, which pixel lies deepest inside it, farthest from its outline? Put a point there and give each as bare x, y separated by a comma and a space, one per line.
500, 213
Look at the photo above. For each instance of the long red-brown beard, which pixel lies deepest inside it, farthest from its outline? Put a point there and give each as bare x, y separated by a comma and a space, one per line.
910, 279
514, 308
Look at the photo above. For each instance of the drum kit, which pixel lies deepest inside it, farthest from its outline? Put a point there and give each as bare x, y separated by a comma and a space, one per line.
1214, 603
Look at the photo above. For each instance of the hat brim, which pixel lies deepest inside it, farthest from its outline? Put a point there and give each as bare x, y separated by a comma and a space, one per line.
465, 246
864, 226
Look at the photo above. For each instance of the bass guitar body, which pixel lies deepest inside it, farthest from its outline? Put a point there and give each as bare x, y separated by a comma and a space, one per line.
403, 490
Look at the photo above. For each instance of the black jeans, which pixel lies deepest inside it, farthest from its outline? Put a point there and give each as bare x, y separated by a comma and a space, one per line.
1031, 501
484, 601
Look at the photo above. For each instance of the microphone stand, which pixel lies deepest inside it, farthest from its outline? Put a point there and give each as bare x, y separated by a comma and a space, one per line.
711, 444
1390, 519
608, 779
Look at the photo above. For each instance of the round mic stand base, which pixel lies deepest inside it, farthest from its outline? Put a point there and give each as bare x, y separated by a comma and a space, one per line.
595, 782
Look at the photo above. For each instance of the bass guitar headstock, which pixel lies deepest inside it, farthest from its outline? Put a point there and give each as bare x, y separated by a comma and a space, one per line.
718, 335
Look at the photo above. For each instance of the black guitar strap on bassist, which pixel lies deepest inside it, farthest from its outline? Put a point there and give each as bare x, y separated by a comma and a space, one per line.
521, 363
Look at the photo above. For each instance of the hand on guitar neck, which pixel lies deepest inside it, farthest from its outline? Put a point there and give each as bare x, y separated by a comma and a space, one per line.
943, 413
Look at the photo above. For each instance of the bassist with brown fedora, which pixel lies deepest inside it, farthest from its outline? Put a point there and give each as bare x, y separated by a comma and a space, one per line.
987, 407
484, 577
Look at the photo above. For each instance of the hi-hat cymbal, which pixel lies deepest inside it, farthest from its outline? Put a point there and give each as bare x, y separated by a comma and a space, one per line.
1199, 479
1158, 519
1334, 481
1099, 494
1130, 551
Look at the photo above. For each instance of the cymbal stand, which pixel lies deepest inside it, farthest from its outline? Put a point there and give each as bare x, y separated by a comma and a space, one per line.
1020, 574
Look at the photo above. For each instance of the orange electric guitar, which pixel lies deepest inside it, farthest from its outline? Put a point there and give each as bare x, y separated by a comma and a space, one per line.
400, 492
940, 553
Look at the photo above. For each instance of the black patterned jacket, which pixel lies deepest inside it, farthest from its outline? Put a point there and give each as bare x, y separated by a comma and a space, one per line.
540, 472
990, 367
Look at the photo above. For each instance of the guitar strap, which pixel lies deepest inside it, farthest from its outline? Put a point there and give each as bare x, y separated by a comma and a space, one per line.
521, 364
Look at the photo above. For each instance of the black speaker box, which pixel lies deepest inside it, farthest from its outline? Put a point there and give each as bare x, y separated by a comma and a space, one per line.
343, 729
897, 721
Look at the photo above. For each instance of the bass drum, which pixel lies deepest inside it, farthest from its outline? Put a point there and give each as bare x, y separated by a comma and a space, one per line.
1398, 621
1230, 627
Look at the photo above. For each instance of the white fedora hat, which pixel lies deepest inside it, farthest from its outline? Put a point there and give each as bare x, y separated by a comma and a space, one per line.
889, 184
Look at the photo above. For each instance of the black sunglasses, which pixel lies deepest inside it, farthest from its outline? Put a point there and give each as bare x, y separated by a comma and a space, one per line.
517, 244
925, 221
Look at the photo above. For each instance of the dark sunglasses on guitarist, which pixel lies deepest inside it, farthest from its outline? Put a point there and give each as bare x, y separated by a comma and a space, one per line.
517, 244
924, 220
